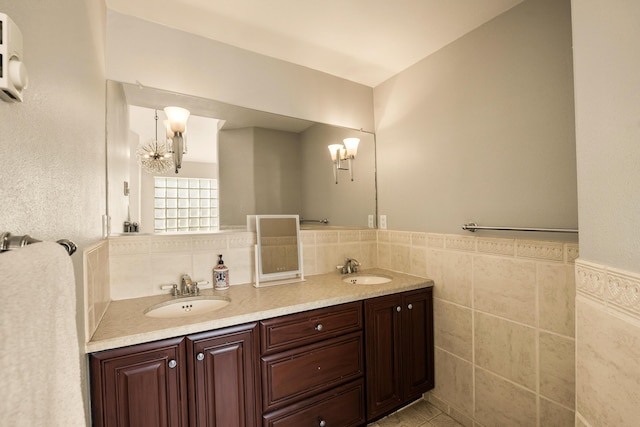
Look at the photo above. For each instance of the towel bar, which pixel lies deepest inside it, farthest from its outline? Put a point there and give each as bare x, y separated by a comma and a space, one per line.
473, 227
9, 242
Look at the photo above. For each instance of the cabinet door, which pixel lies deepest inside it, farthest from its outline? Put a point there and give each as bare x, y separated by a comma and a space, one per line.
417, 336
140, 386
382, 340
223, 387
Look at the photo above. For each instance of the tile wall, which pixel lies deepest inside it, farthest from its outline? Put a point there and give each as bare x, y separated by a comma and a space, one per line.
504, 324
97, 293
504, 308
607, 346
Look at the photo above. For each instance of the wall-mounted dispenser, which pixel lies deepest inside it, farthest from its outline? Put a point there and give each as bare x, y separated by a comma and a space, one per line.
13, 73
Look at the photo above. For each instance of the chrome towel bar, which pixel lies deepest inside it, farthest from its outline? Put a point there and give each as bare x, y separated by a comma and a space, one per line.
9, 242
473, 227
321, 221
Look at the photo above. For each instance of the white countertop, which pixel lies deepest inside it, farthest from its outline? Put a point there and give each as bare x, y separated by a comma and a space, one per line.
124, 322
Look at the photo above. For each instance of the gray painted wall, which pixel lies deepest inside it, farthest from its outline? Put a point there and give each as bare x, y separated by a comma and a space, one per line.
607, 131
483, 129
52, 145
210, 69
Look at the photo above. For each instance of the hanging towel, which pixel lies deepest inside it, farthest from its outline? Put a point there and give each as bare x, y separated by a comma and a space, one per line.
40, 379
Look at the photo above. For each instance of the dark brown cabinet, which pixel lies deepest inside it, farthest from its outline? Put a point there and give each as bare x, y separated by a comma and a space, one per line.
399, 356
140, 386
301, 369
223, 388
208, 379
312, 367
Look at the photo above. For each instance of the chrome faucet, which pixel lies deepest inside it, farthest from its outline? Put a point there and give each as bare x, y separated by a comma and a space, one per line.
188, 286
350, 266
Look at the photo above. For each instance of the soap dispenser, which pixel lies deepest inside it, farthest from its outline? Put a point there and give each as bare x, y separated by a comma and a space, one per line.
220, 275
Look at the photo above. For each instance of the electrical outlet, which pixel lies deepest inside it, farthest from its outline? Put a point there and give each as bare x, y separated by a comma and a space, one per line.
371, 225
383, 222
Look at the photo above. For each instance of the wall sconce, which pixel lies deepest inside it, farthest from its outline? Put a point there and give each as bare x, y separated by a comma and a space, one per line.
175, 132
341, 153
154, 157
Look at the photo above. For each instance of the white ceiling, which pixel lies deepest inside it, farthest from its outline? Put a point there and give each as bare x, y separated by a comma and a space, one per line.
365, 41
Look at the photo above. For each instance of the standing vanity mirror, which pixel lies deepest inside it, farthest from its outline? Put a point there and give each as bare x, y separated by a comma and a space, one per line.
278, 251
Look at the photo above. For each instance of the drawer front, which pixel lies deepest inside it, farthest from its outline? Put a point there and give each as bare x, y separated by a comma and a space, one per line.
299, 329
339, 407
297, 374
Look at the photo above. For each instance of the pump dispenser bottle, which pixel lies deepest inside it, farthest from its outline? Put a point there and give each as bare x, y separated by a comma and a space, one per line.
220, 275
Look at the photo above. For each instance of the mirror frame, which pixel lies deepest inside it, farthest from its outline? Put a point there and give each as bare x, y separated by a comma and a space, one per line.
278, 278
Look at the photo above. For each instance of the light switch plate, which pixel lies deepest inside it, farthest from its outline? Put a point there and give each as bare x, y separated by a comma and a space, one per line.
383, 222
370, 222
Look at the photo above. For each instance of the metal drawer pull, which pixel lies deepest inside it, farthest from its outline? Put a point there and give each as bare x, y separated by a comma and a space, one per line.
398, 308
410, 306
172, 363
200, 356
322, 422
319, 327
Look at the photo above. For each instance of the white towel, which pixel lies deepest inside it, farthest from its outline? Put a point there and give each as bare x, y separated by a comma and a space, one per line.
40, 379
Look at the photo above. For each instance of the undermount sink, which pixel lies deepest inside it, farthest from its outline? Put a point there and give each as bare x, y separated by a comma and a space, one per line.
189, 306
367, 279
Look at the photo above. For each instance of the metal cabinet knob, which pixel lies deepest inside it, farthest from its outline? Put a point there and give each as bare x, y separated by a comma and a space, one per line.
200, 356
410, 306
398, 309
322, 423
319, 327
172, 363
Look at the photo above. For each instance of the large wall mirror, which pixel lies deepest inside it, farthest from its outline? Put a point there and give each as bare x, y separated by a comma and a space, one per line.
237, 162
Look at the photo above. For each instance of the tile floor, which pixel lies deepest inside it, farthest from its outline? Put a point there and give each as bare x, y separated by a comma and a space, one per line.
420, 414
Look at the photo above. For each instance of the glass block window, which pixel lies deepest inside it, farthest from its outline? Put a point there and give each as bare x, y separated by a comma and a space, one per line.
186, 204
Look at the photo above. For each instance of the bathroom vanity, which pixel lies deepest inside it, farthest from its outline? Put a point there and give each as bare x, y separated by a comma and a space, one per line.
322, 352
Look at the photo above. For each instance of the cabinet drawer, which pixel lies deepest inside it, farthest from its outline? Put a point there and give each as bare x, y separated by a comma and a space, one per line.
297, 374
339, 407
299, 329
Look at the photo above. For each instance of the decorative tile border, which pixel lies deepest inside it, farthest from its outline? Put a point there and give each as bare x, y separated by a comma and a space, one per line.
496, 246
617, 289
552, 251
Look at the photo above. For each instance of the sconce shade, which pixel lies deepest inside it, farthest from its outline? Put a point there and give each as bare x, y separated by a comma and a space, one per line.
334, 149
177, 118
167, 125
351, 144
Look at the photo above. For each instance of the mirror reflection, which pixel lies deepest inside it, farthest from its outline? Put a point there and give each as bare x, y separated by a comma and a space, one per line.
235, 162
279, 259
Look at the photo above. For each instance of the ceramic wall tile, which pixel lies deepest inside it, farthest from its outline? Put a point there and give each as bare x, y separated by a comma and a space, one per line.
435, 240
327, 237
505, 287
368, 235
418, 261
454, 381
607, 368
328, 257
506, 348
557, 368
552, 251
309, 259
170, 244
556, 298
131, 276
497, 246
400, 237
350, 236
453, 328
384, 255
400, 258
307, 237
419, 239
368, 255
461, 243
552, 414
457, 276
210, 243
500, 403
